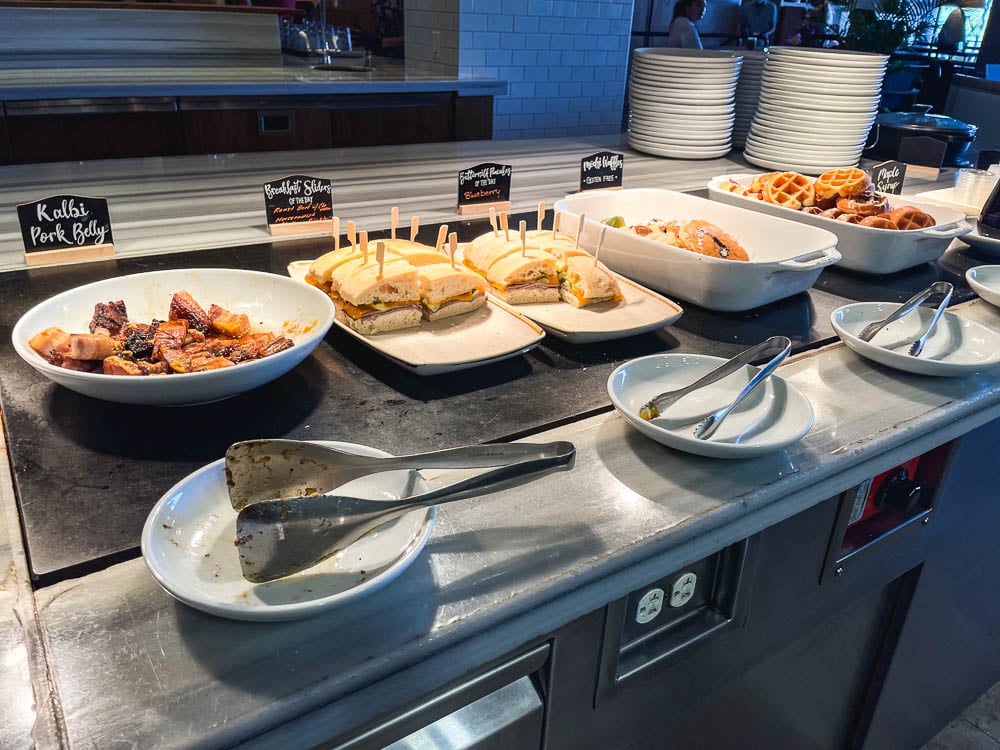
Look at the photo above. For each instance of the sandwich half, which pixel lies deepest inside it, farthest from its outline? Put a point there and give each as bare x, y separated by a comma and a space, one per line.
582, 282
321, 269
522, 278
372, 305
447, 291
414, 253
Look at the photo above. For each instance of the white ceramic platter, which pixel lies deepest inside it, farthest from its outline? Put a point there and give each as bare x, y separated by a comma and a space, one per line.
985, 245
985, 280
956, 347
187, 544
774, 416
494, 332
946, 197
273, 303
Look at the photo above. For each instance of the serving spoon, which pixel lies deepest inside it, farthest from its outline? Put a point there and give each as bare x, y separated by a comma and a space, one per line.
276, 538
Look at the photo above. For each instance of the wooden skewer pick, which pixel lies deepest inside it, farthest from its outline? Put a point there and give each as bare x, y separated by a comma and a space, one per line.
380, 257
556, 219
452, 247
493, 221
336, 233
579, 231
541, 214
600, 241
522, 228
363, 236
442, 235
503, 223
351, 229
414, 228
394, 220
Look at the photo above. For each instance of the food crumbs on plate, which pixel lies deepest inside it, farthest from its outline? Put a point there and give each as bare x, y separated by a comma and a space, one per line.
173, 542
167, 526
208, 554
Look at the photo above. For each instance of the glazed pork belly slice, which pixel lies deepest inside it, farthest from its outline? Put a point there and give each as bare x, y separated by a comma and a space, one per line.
90, 346
170, 335
183, 307
229, 323
109, 317
52, 344
138, 338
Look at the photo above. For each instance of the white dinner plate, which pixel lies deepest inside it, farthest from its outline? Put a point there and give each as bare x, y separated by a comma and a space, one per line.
774, 416
769, 163
677, 152
956, 347
494, 332
985, 280
188, 546
985, 245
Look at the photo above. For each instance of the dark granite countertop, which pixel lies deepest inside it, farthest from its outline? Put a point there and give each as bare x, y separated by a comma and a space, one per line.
87, 472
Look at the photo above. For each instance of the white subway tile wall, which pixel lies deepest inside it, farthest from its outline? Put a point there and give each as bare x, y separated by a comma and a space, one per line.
565, 61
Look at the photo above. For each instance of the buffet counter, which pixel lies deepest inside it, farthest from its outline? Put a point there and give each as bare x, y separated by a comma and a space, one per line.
110, 659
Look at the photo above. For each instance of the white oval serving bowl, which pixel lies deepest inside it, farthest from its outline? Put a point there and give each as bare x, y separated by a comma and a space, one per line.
273, 303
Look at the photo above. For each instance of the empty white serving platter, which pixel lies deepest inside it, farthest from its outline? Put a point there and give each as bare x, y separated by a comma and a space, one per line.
985, 280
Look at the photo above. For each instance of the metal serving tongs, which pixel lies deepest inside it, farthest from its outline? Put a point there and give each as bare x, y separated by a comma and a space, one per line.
776, 345
938, 287
276, 538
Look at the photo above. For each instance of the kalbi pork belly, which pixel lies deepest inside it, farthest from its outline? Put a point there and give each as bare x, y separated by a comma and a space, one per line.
109, 317
190, 341
183, 307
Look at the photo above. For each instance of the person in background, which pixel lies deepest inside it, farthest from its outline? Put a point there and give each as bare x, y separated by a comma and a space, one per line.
758, 19
388, 27
683, 32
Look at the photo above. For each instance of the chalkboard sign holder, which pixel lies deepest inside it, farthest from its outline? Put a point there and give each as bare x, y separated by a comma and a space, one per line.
69, 255
602, 171
301, 227
65, 229
922, 155
464, 209
299, 204
888, 177
483, 187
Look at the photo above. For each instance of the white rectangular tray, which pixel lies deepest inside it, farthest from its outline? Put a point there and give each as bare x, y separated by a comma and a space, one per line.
492, 333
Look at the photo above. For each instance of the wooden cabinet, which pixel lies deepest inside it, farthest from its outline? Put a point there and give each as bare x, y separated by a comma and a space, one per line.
235, 126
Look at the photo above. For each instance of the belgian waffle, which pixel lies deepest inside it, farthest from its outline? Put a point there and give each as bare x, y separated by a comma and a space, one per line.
842, 183
791, 190
909, 217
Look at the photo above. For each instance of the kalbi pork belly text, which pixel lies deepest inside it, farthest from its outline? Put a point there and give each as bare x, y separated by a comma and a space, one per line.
190, 340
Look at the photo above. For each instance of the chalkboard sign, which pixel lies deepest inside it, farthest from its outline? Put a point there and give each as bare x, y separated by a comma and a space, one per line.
482, 186
298, 203
65, 228
602, 171
922, 151
987, 158
888, 176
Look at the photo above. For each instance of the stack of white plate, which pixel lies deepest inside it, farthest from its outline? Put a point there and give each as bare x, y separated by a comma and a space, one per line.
681, 102
747, 93
816, 108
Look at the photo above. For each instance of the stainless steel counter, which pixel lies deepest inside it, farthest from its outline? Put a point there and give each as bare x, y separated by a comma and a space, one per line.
112, 660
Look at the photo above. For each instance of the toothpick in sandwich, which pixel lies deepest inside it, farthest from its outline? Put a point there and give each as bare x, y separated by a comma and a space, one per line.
442, 235
336, 233
503, 223
393, 220
556, 219
452, 247
380, 257
541, 214
351, 230
600, 241
493, 221
579, 231
414, 228
522, 228
363, 236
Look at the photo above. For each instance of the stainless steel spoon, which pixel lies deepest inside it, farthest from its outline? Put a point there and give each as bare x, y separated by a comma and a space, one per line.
276, 538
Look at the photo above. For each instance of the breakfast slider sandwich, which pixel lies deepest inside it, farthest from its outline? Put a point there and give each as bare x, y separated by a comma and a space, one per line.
583, 281
323, 267
446, 290
523, 277
374, 300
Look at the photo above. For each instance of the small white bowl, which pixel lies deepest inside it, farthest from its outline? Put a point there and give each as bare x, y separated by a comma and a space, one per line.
985, 280
773, 417
274, 303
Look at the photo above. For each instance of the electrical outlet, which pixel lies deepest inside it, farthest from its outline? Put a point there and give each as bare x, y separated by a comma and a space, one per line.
649, 606
683, 589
